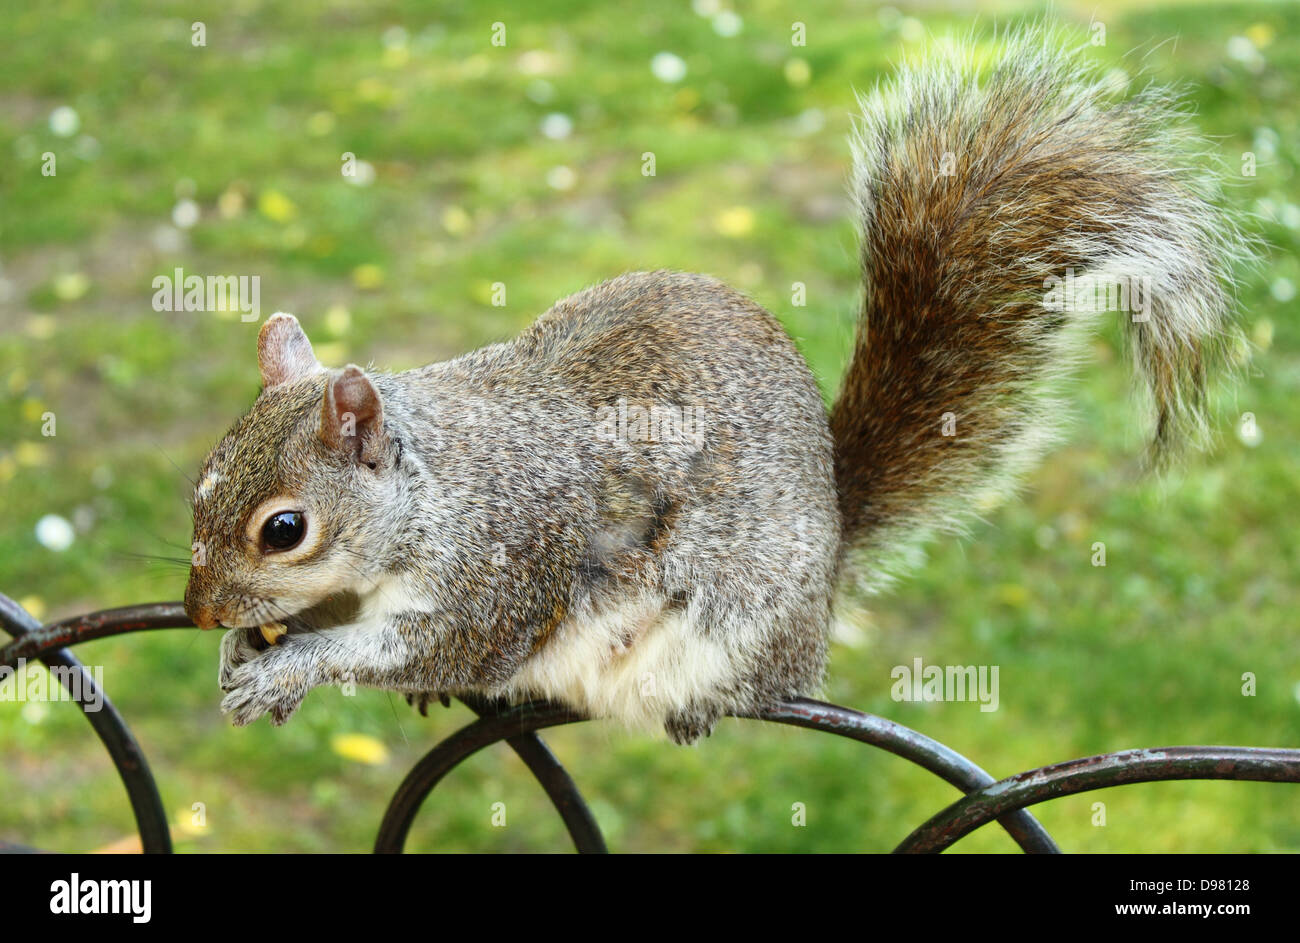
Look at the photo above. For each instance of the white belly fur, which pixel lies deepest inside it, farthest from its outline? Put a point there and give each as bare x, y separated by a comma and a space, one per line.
590, 665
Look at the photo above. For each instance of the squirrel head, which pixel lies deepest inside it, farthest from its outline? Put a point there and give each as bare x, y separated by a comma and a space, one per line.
296, 503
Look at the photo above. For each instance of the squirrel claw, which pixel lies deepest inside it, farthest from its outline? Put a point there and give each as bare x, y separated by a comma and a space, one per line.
686, 727
263, 686
421, 700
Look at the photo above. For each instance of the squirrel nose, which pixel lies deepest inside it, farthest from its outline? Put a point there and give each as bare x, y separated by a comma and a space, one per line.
204, 617
200, 605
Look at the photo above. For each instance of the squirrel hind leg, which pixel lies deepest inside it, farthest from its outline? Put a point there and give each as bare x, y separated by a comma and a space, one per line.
688, 725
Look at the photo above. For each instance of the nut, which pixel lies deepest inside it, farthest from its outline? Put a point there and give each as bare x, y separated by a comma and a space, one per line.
271, 631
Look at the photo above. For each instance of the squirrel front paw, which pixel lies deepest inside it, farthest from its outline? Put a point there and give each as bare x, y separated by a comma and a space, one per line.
274, 683
237, 648
423, 699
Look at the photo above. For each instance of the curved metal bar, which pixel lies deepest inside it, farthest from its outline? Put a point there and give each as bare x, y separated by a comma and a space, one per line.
1100, 772
947, 764
96, 625
563, 793
555, 779
132, 767
512, 723
866, 728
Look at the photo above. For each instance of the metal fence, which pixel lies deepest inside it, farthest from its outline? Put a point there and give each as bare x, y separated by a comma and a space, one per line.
984, 799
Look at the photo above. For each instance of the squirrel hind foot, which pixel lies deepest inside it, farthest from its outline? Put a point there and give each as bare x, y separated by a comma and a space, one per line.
687, 726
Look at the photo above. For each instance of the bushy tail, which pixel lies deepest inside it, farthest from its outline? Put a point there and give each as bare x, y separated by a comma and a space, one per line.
1003, 211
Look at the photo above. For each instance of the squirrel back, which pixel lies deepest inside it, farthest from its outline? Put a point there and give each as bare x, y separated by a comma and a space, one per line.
1000, 215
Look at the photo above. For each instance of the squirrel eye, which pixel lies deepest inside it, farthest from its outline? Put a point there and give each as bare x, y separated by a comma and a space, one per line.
283, 531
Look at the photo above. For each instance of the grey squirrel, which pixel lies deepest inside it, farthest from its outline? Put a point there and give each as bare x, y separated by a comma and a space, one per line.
640, 507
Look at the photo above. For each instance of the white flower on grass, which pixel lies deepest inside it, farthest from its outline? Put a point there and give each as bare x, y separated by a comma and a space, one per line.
167, 238
1241, 49
1248, 432
668, 67
54, 533
557, 126
64, 121
364, 176
1265, 143
727, 23
185, 214
538, 62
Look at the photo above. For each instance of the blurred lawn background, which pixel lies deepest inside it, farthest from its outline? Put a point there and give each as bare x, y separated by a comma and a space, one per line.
522, 164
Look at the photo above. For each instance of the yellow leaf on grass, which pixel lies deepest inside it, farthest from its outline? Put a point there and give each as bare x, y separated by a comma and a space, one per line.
1014, 595
41, 327
34, 605
1261, 34
367, 276
735, 222
797, 72
337, 320
1262, 334
275, 206
189, 822
70, 286
456, 221
31, 454
360, 748
320, 124
231, 202
33, 410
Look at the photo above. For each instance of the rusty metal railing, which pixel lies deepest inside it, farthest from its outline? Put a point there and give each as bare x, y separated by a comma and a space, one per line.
984, 799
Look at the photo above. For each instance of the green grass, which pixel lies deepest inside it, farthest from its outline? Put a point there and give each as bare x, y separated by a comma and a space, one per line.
1201, 578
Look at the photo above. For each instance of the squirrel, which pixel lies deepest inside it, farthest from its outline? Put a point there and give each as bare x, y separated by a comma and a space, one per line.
641, 508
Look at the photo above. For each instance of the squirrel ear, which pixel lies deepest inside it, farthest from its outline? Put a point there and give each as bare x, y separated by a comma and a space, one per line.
283, 351
352, 415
